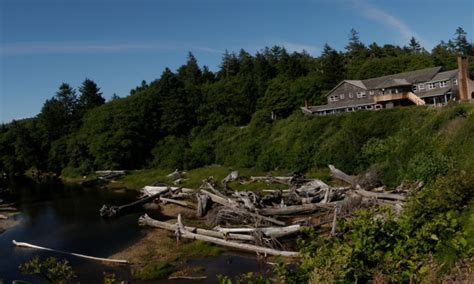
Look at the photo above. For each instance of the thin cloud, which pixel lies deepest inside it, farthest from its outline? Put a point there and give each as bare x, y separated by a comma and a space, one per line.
35, 48
374, 13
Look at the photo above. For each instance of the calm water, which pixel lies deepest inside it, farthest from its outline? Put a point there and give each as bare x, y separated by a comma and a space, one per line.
67, 218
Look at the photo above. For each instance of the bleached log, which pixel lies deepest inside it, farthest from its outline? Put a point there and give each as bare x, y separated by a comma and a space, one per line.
334, 221
176, 175
271, 179
145, 220
247, 247
231, 177
233, 204
295, 209
8, 209
380, 195
108, 172
275, 232
221, 200
178, 202
27, 245
202, 205
340, 175
152, 190
3, 217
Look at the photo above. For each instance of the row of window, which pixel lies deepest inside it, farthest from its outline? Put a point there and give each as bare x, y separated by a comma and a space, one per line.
433, 85
363, 94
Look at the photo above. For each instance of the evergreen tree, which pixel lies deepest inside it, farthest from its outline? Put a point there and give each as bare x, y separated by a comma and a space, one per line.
59, 115
332, 67
414, 46
460, 42
90, 97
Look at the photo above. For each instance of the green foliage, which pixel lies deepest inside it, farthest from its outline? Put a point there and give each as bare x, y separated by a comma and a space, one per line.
154, 271
51, 269
199, 249
245, 278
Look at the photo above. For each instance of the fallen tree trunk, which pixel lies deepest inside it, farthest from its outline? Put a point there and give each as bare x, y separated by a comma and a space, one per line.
182, 232
295, 209
380, 195
110, 211
270, 179
275, 232
145, 220
340, 175
221, 200
27, 245
151, 190
178, 202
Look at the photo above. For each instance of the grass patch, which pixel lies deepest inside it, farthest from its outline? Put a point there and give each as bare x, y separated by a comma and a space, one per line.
154, 271
137, 179
198, 249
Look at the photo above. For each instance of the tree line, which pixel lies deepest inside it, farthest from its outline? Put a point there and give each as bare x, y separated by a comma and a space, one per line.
78, 131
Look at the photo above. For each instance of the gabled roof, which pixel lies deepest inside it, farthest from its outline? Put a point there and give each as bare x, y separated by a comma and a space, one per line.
393, 83
446, 75
357, 83
411, 77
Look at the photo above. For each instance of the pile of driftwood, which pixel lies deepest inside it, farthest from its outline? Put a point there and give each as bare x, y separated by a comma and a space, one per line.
109, 174
263, 221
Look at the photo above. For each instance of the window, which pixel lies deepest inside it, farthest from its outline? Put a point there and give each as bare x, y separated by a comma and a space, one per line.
455, 81
431, 86
421, 86
351, 95
342, 96
378, 106
368, 107
361, 95
371, 93
413, 88
442, 84
334, 98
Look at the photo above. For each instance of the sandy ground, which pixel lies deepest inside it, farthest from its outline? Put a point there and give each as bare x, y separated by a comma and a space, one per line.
8, 223
156, 245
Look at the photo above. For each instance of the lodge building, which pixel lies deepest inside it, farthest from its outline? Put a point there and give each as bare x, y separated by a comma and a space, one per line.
429, 86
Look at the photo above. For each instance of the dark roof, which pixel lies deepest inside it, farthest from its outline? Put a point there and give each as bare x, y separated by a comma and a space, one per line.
446, 75
434, 92
410, 77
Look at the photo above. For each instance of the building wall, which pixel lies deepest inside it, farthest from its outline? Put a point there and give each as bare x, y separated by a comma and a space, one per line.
347, 95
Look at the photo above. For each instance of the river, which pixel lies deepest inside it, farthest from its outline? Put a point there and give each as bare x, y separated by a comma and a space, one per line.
67, 218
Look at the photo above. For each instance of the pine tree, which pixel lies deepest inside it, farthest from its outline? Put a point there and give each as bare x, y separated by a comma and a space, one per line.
414, 46
460, 42
90, 96
332, 67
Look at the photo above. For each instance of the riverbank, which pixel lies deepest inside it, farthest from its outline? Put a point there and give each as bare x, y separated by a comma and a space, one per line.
158, 255
8, 221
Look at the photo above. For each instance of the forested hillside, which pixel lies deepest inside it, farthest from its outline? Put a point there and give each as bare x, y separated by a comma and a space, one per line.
246, 115
183, 118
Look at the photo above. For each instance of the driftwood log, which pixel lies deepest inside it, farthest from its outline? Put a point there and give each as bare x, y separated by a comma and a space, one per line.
340, 175
273, 232
295, 209
181, 231
27, 245
111, 211
380, 195
145, 220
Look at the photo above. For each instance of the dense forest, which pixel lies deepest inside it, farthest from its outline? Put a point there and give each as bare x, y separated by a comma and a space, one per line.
246, 115
175, 120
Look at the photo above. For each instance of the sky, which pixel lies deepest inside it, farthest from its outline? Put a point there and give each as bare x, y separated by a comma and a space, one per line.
119, 43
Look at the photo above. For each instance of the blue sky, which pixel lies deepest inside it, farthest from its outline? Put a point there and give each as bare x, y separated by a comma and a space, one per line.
119, 43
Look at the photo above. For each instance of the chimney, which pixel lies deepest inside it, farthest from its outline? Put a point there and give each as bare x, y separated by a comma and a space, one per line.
463, 78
